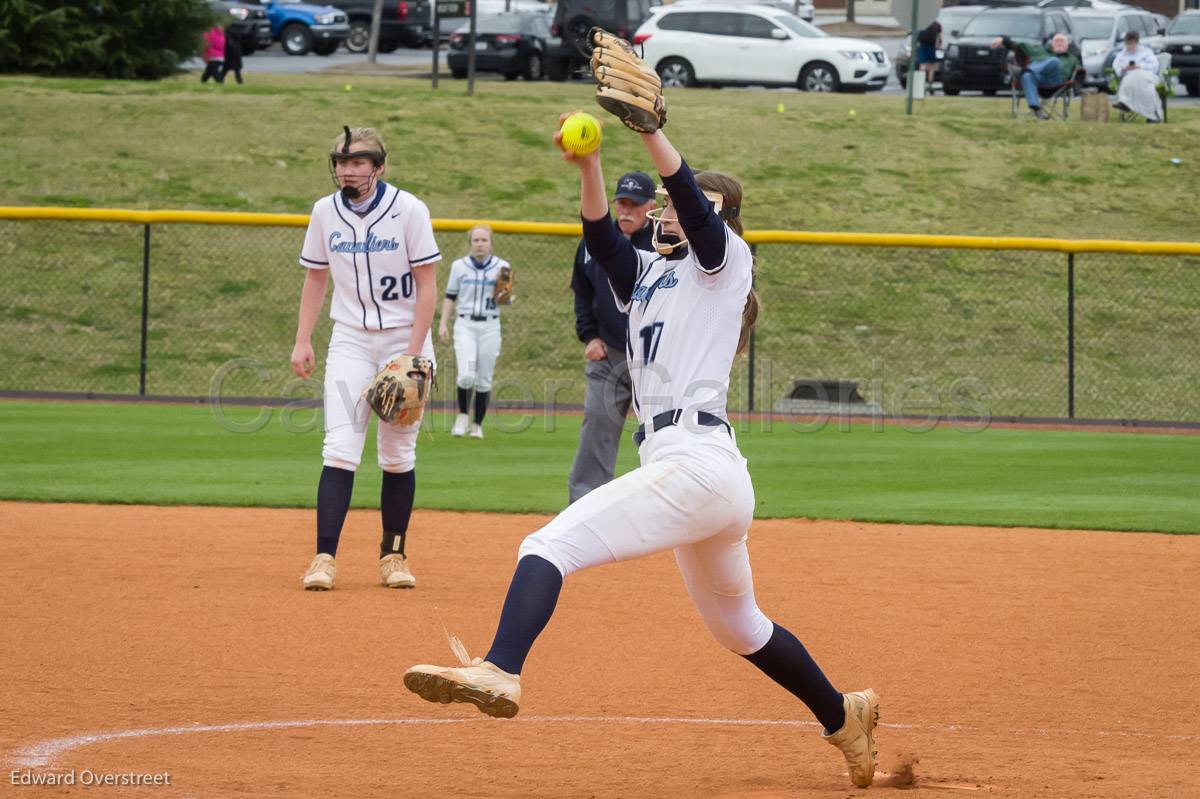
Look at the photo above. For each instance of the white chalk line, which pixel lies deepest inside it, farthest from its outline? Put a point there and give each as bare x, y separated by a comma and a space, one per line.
44, 753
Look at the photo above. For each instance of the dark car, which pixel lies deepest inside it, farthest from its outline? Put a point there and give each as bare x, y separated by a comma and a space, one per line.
953, 18
1183, 43
972, 64
247, 22
512, 44
570, 50
403, 23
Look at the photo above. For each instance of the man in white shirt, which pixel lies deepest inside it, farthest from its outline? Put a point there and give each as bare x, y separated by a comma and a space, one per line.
1137, 70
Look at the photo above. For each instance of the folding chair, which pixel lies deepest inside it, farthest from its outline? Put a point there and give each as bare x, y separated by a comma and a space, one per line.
1056, 100
1166, 86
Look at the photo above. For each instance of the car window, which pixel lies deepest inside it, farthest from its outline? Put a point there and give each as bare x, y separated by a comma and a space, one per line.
717, 23
1185, 26
1022, 26
679, 22
800, 27
755, 27
1122, 26
1149, 25
1094, 27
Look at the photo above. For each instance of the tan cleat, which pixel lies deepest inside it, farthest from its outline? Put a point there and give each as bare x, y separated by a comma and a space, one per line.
856, 738
394, 573
320, 574
493, 691
478, 682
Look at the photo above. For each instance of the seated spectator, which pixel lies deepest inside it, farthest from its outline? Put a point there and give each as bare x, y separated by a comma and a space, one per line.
1043, 68
1136, 67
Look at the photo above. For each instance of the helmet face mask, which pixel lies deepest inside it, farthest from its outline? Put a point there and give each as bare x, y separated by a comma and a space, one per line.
364, 184
666, 243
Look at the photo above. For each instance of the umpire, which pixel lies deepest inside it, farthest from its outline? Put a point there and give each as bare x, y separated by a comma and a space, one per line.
603, 329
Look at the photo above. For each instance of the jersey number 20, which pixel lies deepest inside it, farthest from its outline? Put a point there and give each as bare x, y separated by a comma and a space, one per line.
388, 282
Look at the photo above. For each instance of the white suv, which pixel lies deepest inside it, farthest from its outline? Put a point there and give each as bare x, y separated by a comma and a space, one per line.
738, 44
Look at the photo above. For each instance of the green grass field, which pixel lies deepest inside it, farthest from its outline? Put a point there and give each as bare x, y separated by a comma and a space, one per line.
183, 455
958, 165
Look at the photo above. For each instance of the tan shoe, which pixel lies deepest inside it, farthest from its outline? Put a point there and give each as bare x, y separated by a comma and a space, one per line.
856, 738
394, 573
320, 574
493, 691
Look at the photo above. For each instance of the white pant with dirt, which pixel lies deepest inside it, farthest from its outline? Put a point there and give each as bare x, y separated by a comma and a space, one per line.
476, 348
355, 357
692, 494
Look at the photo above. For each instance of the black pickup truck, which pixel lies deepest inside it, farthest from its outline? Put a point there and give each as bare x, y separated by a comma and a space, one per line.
405, 23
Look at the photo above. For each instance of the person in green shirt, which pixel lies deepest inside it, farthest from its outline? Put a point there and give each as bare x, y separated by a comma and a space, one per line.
1052, 67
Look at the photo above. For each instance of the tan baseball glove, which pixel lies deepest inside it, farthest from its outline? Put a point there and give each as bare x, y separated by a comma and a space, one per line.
626, 86
503, 295
399, 392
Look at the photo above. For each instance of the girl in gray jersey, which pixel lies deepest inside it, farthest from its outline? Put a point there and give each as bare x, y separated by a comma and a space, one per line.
690, 306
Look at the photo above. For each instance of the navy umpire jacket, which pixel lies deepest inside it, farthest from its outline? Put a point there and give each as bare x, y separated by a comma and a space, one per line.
596, 314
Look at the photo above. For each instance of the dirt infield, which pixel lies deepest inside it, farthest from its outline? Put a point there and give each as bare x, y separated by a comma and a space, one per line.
1015, 663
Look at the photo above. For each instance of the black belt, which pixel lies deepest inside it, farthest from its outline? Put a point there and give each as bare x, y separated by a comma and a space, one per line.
475, 318
670, 418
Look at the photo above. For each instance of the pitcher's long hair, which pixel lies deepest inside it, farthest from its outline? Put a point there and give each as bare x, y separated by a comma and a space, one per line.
730, 190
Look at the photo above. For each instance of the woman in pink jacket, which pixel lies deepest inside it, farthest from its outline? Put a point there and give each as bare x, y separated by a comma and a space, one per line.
214, 54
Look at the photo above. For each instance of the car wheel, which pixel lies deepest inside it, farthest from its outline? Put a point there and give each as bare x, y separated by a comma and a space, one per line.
388, 46
819, 77
296, 40
1193, 86
535, 68
360, 36
458, 73
903, 81
325, 48
950, 90
676, 73
990, 92
577, 34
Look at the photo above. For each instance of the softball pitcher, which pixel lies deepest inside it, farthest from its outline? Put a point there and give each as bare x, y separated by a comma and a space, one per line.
377, 242
471, 297
690, 305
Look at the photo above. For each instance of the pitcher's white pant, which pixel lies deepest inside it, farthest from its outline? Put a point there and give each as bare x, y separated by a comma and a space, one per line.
476, 348
691, 494
355, 357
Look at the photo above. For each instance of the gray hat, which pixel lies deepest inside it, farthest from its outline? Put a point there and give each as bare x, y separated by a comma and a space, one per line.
636, 186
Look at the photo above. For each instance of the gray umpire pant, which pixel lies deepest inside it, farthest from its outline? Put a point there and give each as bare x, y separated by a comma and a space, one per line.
605, 406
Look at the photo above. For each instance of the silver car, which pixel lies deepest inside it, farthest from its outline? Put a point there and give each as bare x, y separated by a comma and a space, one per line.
1100, 33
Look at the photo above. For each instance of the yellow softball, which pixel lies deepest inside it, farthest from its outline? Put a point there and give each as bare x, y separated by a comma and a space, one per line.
581, 133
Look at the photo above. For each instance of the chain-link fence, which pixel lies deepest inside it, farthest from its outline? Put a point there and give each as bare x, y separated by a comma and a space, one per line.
202, 310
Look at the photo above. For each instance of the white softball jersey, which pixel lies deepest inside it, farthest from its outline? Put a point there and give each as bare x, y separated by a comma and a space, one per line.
692, 492
472, 285
684, 326
371, 257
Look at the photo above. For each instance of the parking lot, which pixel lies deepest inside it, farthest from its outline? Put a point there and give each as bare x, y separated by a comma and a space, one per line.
419, 61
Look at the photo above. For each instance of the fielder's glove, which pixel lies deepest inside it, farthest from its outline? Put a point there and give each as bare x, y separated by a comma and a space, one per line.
399, 392
627, 88
503, 295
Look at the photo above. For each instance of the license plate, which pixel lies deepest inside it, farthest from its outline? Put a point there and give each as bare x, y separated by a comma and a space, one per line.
480, 45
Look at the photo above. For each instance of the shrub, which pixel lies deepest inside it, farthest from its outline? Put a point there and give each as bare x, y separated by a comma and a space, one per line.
128, 39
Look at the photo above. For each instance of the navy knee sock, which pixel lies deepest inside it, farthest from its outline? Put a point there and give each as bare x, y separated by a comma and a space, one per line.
464, 399
785, 660
481, 403
529, 605
333, 500
395, 506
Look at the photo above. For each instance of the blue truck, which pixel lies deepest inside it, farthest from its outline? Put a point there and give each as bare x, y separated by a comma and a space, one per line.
301, 28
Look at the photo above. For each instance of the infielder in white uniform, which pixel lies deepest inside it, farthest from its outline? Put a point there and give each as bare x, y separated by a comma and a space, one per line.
690, 306
377, 242
470, 297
